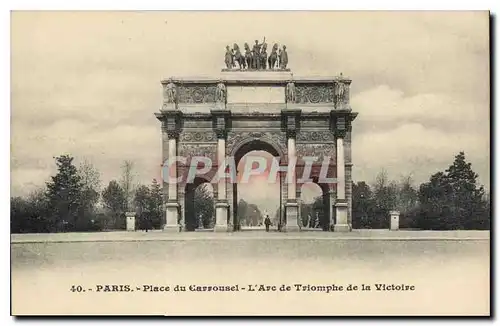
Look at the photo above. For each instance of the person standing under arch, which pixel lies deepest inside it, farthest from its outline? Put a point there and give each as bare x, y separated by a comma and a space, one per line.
267, 222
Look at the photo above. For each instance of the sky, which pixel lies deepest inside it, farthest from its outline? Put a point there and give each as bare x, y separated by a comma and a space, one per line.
88, 83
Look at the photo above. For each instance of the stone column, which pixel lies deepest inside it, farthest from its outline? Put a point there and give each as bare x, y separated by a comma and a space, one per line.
172, 205
283, 200
299, 205
171, 128
291, 207
181, 199
230, 202
214, 215
332, 208
341, 223
221, 206
292, 185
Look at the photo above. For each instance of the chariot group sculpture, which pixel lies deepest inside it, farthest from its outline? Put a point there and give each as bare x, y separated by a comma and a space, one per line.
256, 58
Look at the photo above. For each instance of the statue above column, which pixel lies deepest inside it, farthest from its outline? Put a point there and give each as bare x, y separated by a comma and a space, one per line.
220, 92
169, 95
256, 57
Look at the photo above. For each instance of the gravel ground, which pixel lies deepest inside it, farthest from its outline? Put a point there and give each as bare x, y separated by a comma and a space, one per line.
449, 277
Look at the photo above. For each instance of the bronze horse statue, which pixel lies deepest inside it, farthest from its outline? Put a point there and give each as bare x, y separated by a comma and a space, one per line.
273, 57
248, 56
263, 56
238, 57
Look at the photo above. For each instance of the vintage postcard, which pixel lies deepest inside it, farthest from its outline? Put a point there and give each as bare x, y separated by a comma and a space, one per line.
265, 163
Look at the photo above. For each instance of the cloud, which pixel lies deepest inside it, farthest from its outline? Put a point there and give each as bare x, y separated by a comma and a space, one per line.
384, 103
88, 83
412, 149
27, 180
106, 148
417, 134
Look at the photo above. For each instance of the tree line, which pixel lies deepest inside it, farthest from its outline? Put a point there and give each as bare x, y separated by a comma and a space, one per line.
450, 200
73, 201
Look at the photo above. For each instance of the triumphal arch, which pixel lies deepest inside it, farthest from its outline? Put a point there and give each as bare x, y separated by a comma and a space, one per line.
247, 108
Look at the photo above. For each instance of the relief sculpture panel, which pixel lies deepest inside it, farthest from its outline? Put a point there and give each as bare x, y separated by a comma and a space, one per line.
203, 136
205, 150
318, 150
308, 94
314, 136
196, 94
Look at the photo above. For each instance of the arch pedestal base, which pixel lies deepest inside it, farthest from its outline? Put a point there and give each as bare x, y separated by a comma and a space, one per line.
221, 216
341, 224
291, 215
172, 217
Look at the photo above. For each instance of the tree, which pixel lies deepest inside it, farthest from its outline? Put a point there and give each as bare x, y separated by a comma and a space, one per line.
276, 219
467, 195
363, 205
384, 196
64, 197
249, 214
306, 213
156, 204
434, 203
90, 176
19, 220
406, 196
30, 214
204, 205
91, 184
313, 215
142, 204
242, 211
453, 200
114, 201
318, 210
141, 198
127, 182
407, 202
253, 216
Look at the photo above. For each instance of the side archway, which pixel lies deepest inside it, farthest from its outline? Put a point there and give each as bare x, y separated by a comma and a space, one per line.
199, 205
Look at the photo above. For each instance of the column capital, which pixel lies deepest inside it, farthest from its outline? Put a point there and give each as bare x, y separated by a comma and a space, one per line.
342, 126
290, 122
172, 134
298, 192
341, 122
221, 122
291, 133
221, 133
170, 122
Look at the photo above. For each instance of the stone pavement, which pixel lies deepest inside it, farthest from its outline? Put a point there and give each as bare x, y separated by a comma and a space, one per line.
158, 235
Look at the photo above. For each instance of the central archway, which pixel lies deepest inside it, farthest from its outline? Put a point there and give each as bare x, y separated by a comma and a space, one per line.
275, 156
